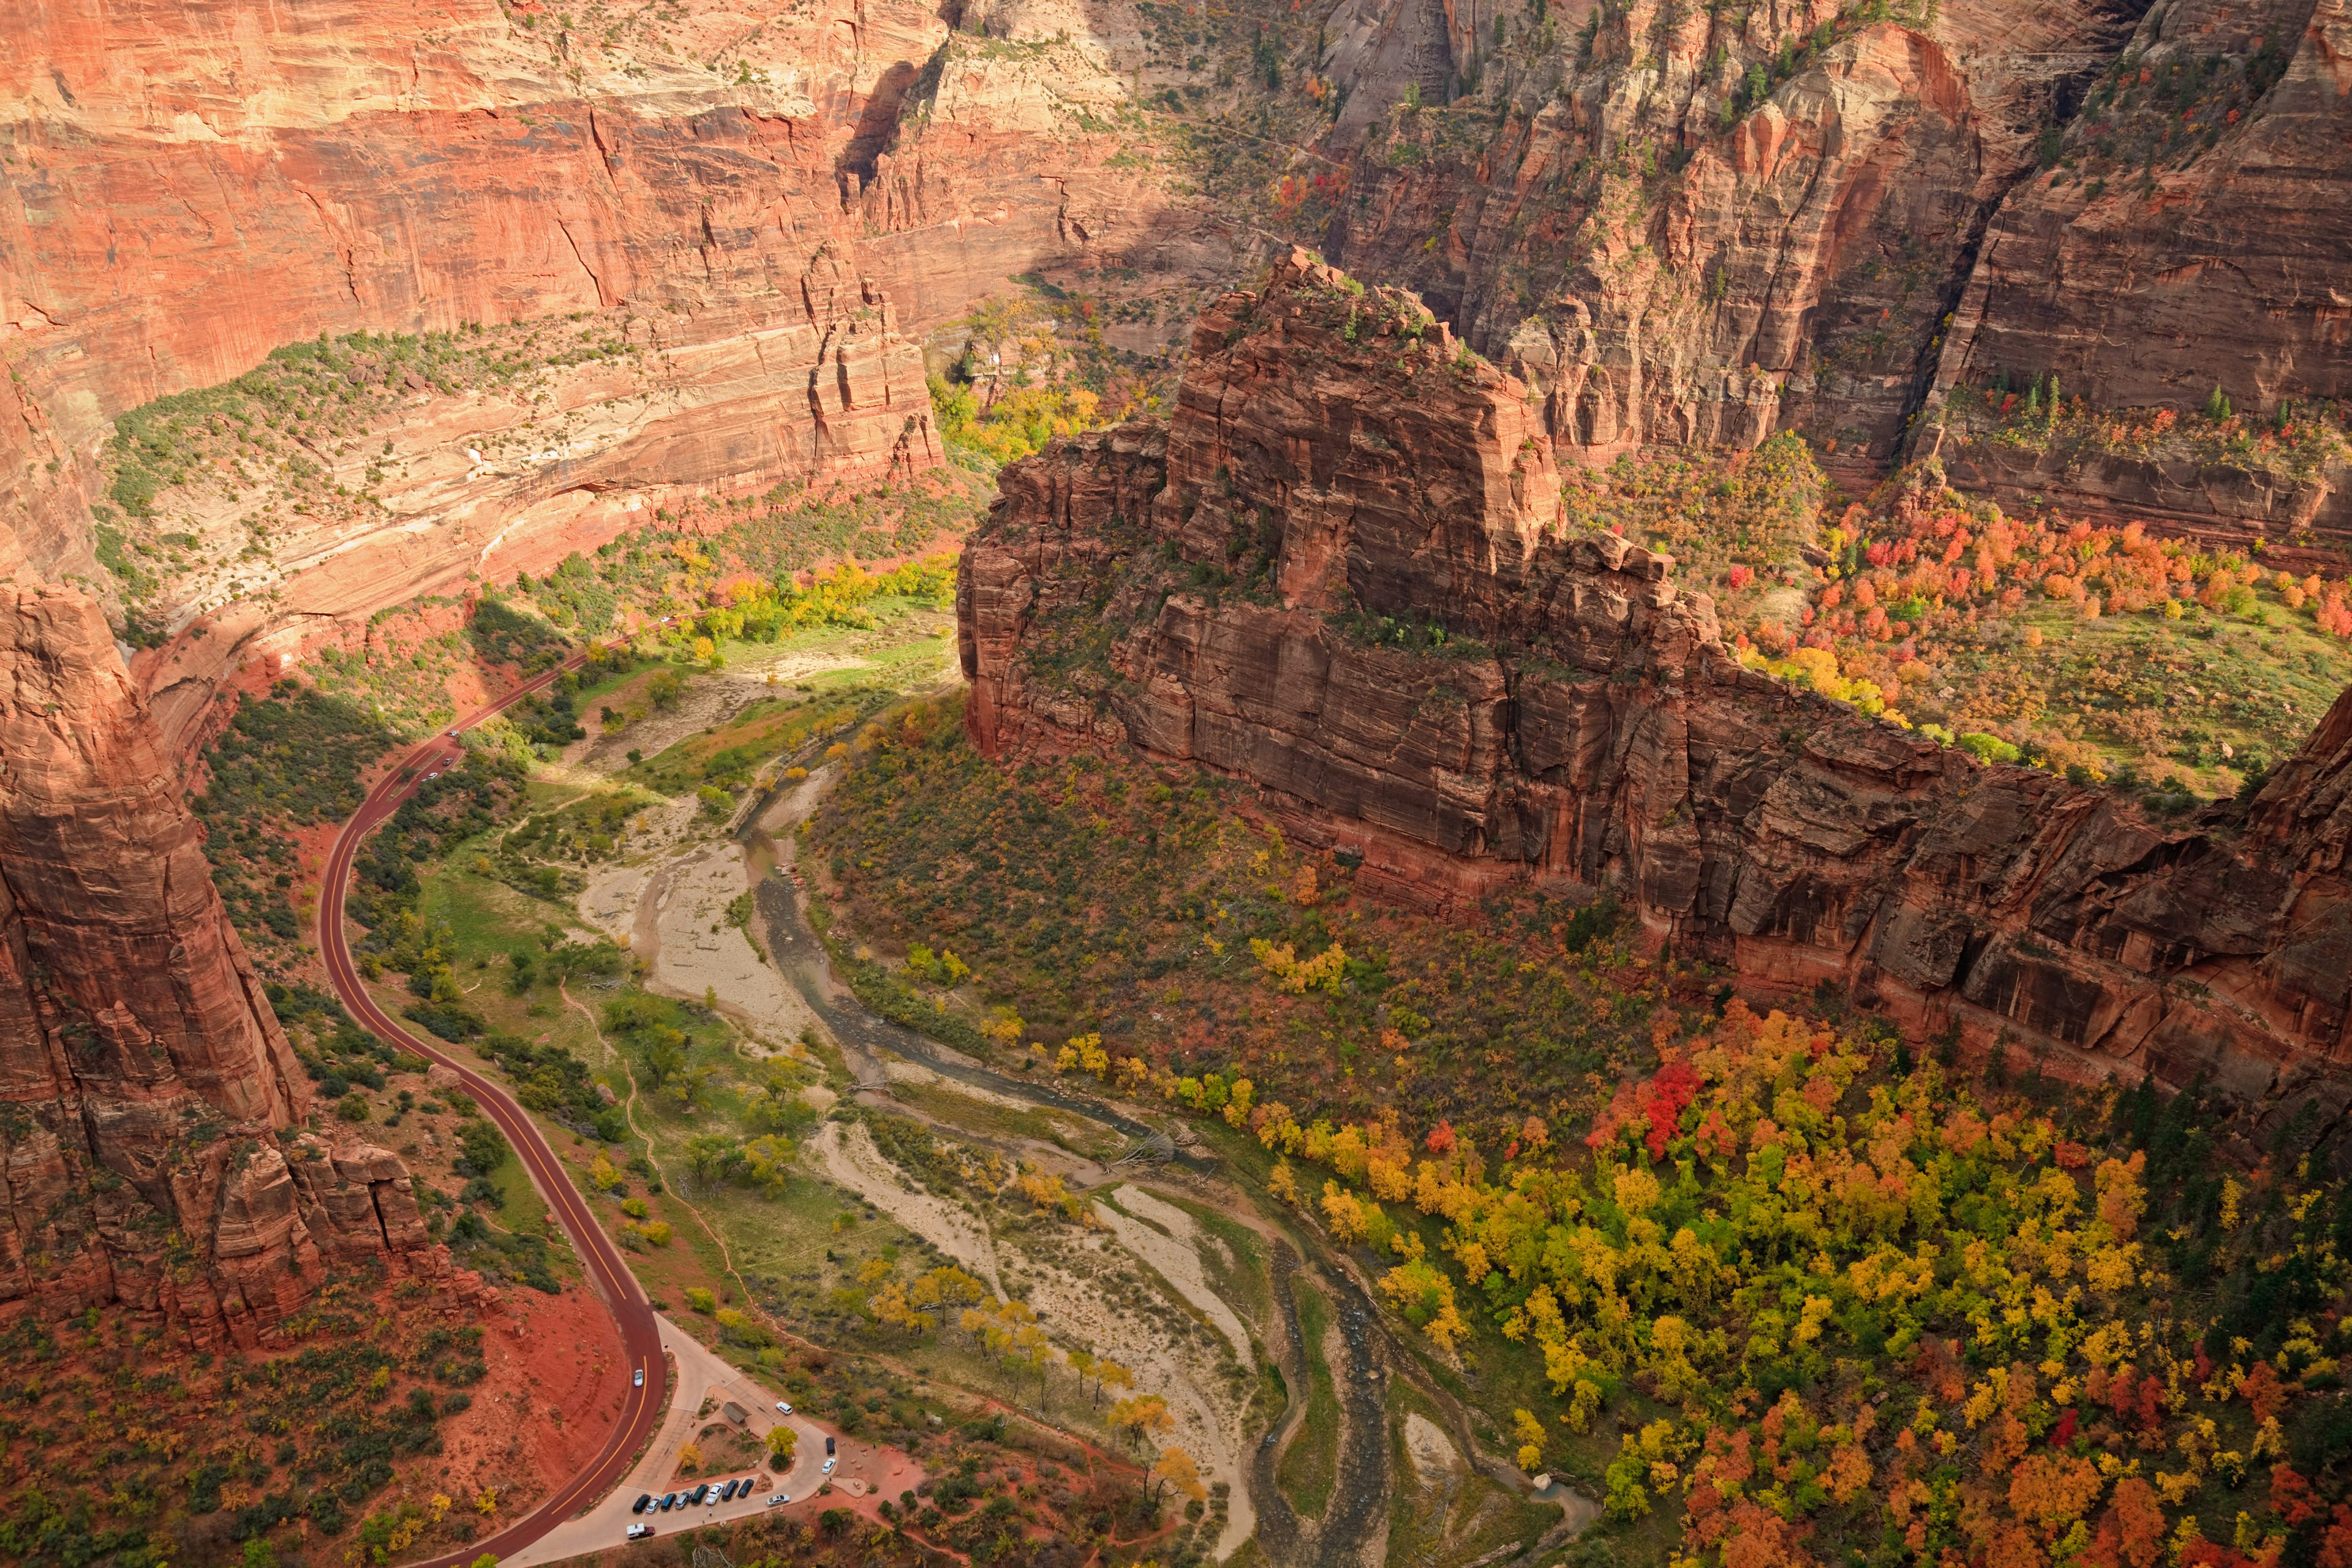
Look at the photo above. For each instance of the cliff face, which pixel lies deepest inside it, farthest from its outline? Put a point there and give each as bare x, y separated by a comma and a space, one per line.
1373, 614
142, 1077
1699, 225
724, 199
762, 212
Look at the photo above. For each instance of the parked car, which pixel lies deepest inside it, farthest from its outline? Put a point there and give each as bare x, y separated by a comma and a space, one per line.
642, 1503
828, 1444
829, 1464
779, 1499
728, 1494
639, 1531
641, 1377
668, 1501
695, 1496
783, 1408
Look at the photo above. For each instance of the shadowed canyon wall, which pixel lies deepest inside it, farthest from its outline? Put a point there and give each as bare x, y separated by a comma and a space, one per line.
1701, 225
148, 1097
1228, 588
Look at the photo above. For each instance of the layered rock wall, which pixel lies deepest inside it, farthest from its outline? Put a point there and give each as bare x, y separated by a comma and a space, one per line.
1701, 227
144, 1083
736, 199
1375, 616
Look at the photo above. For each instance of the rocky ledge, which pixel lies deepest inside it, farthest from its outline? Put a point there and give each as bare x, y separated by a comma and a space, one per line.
1339, 571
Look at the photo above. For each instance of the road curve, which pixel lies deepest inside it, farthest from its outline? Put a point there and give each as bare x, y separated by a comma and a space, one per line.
642, 1407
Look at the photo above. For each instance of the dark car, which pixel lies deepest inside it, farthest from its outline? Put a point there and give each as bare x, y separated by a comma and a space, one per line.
668, 1501
727, 1492
828, 1444
695, 1495
642, 1503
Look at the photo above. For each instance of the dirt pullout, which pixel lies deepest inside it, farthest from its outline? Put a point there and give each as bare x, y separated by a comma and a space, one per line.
845, 1154
701, 952
1174, 1249
1209, 1417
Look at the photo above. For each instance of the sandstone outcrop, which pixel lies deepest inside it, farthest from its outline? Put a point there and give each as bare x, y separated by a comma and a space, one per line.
1339, 571
143, 1080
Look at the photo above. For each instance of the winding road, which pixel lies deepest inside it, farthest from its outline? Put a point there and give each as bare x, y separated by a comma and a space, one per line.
643, 1406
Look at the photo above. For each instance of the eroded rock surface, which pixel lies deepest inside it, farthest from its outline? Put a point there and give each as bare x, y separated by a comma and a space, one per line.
1339, 571
144, 1084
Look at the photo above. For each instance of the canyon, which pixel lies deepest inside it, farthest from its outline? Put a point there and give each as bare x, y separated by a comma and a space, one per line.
151, 1108
709, 251
1228, 589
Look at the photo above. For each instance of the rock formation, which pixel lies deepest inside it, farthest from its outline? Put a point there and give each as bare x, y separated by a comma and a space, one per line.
144, 1083
1704, 225
1339, 571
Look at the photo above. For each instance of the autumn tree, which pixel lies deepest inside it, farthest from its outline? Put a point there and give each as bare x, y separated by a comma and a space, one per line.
1176, 1469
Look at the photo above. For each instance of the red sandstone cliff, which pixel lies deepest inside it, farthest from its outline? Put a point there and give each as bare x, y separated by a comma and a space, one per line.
726, 198
1329, 489
765, 209
2147, 200
143, 1081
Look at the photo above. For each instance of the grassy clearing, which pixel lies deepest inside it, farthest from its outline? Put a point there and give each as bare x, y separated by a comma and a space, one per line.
1309, 1465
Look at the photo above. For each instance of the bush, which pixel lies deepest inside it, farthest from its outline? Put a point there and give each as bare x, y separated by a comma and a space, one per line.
352, 1108
1989, 749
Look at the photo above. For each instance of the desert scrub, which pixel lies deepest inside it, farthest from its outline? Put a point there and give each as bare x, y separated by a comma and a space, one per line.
274, 418
295, 759
201, 1455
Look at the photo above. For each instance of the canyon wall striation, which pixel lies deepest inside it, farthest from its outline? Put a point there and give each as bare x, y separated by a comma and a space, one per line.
762, 213
149, 1100
1339, 571
1703, 225
689, 233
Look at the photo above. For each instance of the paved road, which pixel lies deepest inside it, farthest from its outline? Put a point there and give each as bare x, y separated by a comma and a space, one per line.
642, 1407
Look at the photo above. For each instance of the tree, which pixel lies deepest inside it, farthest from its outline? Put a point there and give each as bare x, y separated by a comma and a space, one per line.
689, 1458
1144, 1416
1530, 1433
783, 1442
1109, 1373
711, 1155
1176, 1470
